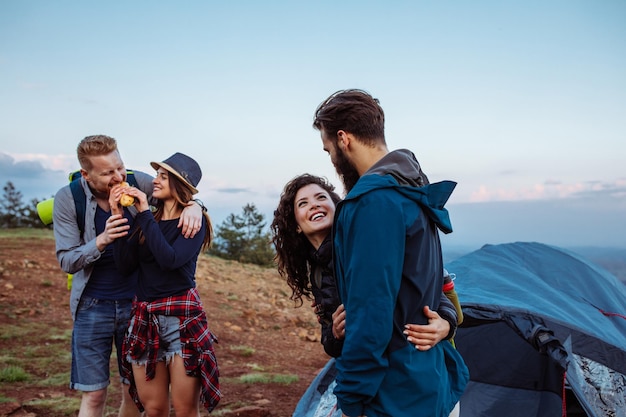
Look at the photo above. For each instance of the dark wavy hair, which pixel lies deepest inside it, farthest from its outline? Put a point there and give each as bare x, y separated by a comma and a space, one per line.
354, 111
293, 248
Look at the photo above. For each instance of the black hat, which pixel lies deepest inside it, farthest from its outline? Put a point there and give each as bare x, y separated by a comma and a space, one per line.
184, 168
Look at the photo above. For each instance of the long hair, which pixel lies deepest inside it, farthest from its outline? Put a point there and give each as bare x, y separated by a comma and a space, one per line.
181, 194
293, 248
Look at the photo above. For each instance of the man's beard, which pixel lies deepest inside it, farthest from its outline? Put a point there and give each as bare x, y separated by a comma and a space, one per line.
346, 171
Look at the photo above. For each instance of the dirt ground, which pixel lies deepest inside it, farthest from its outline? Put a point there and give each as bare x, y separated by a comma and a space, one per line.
249, 310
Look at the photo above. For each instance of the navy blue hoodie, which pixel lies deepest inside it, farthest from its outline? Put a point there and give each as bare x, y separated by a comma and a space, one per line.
389, 266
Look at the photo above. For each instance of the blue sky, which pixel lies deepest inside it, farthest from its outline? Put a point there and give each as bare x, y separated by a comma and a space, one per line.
522, 103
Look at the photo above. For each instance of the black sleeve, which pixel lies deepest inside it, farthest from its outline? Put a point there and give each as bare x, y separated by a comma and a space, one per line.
125, 249
332, 346
447, 312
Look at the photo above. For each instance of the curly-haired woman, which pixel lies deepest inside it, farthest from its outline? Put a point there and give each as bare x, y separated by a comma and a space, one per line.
301, 231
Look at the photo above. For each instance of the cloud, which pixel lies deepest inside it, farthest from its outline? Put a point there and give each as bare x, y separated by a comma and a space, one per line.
232, 190
616, 190
83, 100
508, 172
60, 162
20, 169
596, 221
37, 177
31, 86
551, 189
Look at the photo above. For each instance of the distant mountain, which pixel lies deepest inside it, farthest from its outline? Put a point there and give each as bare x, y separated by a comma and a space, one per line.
450, 253
611, 259
564, 222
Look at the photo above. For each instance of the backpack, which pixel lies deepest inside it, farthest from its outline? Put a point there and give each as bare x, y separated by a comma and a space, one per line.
44, 208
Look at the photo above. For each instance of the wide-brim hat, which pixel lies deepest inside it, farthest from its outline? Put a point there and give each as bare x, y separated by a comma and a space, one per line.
184, 168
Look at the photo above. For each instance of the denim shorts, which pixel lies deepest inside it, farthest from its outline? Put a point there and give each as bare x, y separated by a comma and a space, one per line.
99, 325
169, 340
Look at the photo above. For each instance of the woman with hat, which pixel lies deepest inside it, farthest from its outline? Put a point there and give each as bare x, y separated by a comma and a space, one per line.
168, 346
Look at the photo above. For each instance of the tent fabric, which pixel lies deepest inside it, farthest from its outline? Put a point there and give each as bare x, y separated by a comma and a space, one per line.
534, 315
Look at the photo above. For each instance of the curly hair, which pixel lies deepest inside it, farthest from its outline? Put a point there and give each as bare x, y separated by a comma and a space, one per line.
293, 248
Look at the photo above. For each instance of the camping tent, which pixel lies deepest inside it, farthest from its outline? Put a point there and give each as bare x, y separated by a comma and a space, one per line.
544, 330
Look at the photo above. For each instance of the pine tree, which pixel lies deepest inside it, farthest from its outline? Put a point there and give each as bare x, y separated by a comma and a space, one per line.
12, 209
31, 217
243, 238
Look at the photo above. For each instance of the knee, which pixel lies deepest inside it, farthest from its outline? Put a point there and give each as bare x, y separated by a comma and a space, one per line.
154, 410
191, 412
186, 410
95, 398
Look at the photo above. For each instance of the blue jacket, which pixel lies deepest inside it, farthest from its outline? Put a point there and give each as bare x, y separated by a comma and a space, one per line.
389, 266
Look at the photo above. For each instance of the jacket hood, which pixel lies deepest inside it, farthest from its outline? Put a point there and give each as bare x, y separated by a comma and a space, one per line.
403, 166
399, 170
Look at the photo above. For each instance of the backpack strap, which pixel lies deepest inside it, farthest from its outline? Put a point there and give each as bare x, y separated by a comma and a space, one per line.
80, 202
80, 199
130, 178
75, 175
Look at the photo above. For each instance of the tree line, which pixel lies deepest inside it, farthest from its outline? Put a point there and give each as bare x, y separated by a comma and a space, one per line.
241, 237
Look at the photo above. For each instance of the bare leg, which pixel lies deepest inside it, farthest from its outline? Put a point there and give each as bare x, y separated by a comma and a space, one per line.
154, 394
185, 390
128, 407
92, 403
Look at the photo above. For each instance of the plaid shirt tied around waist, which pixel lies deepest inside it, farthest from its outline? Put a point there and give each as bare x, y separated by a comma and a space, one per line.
195, 336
